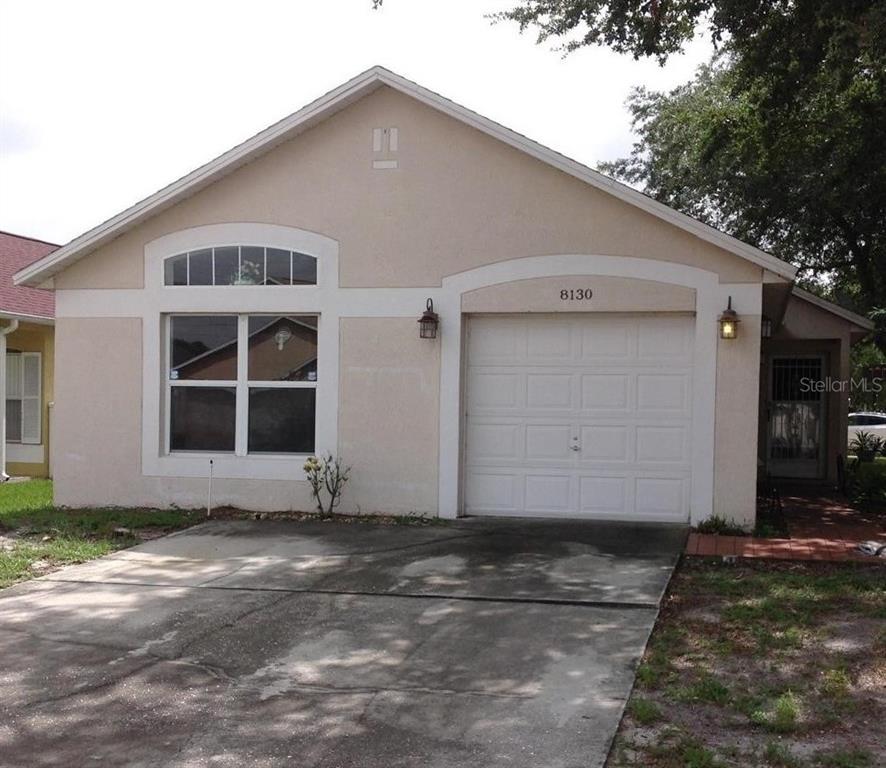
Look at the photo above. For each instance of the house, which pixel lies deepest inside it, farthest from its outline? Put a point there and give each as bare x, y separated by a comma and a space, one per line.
586, 362
27, 317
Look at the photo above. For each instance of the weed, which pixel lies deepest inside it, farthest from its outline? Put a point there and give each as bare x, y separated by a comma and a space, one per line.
644, 711
782, 718
779, 755
845, 758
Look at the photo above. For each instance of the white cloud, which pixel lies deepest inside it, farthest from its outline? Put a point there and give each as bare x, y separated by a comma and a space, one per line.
102, 103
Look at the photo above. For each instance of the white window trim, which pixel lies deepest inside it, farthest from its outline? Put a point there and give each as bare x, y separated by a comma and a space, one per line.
22, 397
241, 384
157, 300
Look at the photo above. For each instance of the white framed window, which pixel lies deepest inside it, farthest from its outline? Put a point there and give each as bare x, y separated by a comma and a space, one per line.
240, 265
241, 384
23, 394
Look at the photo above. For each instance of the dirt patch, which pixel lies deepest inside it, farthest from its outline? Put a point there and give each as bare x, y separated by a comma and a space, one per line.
762, 664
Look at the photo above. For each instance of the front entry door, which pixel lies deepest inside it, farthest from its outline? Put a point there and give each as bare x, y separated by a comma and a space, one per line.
796, 418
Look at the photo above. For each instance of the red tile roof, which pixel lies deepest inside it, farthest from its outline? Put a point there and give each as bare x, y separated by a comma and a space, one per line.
17, 252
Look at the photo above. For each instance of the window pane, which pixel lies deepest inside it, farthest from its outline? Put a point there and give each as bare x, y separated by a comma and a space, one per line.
200, 267
252, 265
14, 421
282, 348
278, 267
176, 270
203, 347
304, 269
281, 420
226, 265
202, 419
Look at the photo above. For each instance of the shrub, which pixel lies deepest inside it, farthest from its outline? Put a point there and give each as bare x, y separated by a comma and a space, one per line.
866, 446
327, 476
718, 524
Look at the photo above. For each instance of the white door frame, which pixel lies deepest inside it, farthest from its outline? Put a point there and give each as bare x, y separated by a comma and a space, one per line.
711, 298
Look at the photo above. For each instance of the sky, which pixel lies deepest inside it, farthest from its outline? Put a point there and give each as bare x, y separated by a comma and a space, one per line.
103, 103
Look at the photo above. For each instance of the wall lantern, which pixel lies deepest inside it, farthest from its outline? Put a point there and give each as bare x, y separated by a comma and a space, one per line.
766, 327
729, 322
428, 322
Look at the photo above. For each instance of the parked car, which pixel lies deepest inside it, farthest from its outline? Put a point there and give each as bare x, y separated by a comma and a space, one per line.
867, 421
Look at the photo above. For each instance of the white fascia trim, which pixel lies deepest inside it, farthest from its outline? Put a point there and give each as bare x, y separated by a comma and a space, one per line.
834, 309
36, 319
333, 102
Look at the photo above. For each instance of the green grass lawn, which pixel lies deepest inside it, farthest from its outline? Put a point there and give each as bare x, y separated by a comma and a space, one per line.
36, 537
762, 664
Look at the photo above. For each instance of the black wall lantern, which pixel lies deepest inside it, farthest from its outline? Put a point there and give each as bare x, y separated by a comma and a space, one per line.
428, 322
766, 327
729, 322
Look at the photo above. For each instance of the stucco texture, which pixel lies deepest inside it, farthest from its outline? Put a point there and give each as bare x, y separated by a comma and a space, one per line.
458, 200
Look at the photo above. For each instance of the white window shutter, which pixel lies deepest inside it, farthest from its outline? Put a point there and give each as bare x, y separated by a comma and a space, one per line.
13, 376
31, 396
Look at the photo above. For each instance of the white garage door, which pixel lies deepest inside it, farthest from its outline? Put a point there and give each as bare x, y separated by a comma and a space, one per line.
579, 416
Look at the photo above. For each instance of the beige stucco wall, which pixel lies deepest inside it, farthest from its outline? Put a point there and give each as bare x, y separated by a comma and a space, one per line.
388, 416
459, 199
736, 421
609, 294
97, 453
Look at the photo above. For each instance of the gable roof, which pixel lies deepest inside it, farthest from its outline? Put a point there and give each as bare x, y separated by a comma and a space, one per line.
335, 101
17, 252
835, 309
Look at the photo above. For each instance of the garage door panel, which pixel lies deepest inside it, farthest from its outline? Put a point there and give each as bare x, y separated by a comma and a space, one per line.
495, 491
665, 339
605, 443
496, 389
548, 341
585, 415
495, 441
605, 391
548, 493
603, 496
492, 343
657, 444
663, 392
548, 441
660, 497
612, 338
549, 390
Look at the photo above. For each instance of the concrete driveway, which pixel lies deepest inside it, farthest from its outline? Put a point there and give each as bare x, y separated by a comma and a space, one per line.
481, 643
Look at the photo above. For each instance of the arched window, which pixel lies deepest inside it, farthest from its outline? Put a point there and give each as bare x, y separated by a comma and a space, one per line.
240, 265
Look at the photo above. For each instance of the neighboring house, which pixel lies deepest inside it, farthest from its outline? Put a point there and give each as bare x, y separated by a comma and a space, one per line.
26, 342
265, 307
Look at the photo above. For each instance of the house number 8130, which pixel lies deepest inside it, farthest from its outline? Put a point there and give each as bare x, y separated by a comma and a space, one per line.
576, 294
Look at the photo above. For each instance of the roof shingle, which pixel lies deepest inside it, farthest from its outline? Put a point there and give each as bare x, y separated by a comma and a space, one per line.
17, 252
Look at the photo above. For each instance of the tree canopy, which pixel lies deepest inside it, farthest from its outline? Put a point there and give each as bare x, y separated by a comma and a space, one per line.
780, 140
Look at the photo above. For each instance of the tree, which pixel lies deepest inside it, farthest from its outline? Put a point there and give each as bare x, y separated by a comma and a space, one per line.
806, 182
779, 141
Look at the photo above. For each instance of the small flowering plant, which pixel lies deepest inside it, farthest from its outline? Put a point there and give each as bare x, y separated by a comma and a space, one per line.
327, 477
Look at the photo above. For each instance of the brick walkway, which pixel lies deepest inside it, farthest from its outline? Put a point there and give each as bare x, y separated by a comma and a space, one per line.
820, 528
